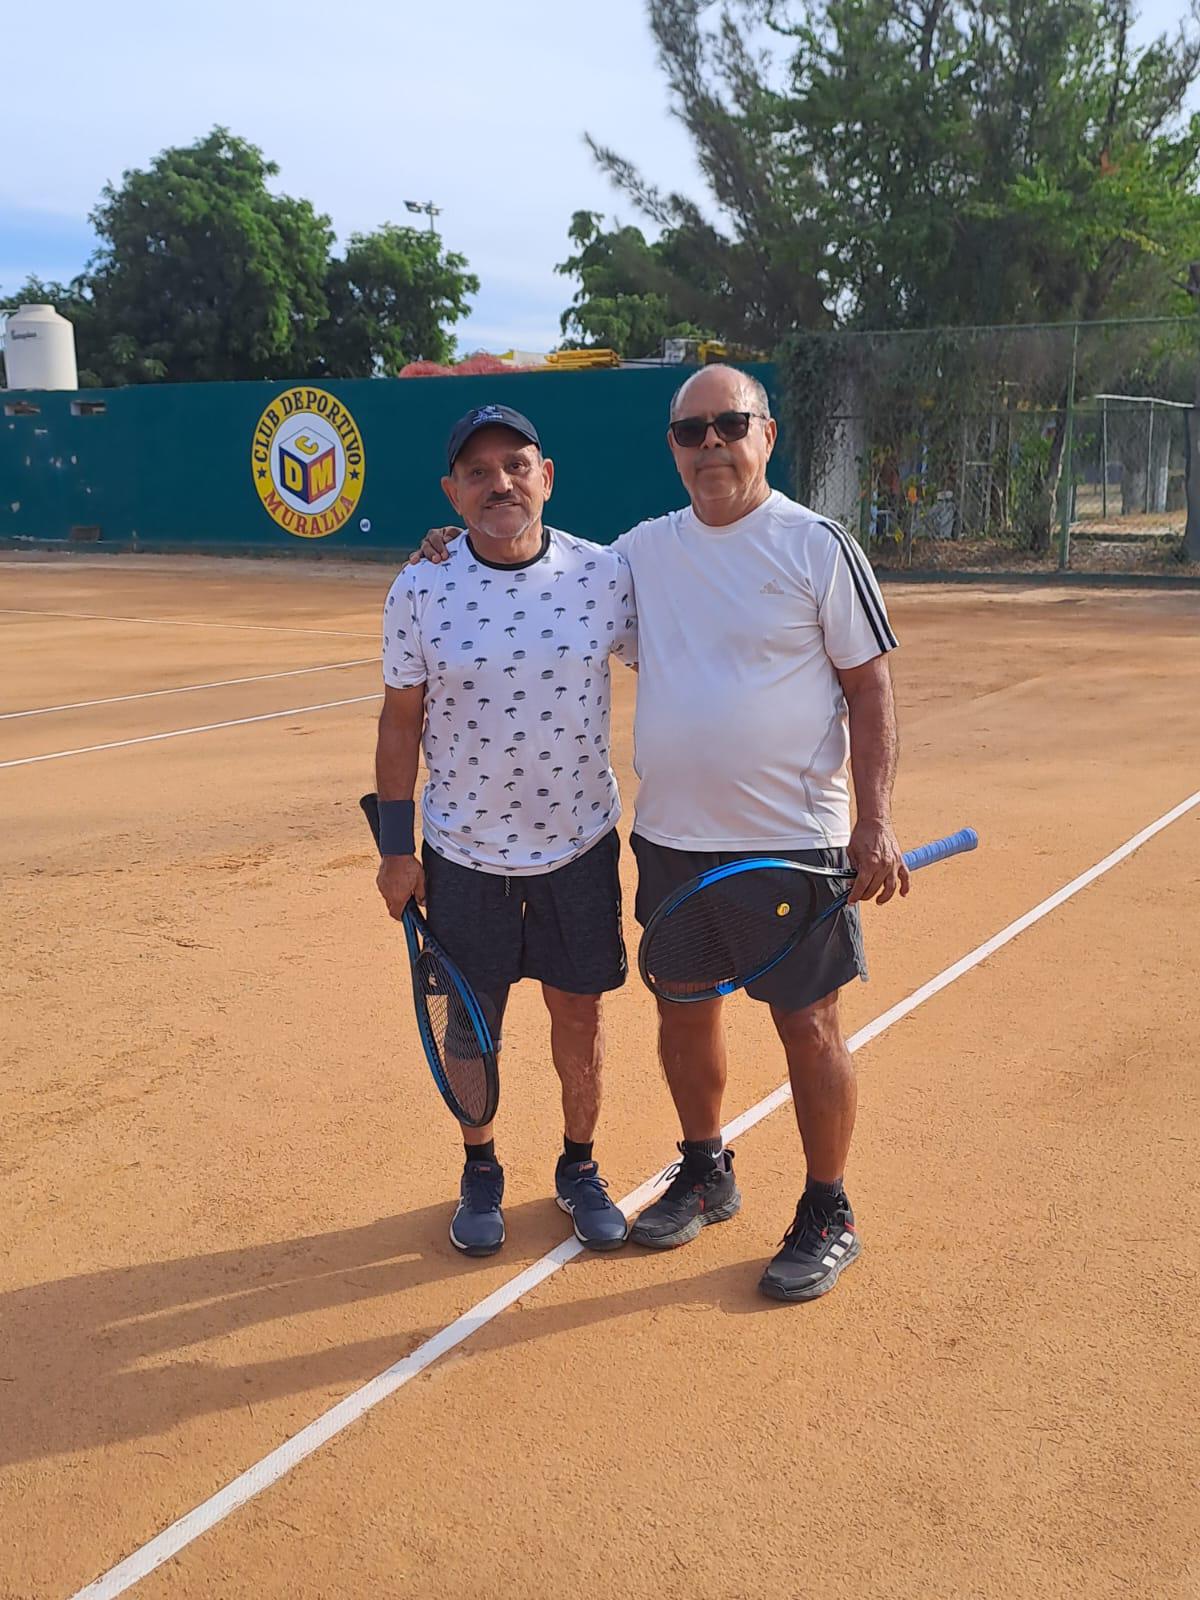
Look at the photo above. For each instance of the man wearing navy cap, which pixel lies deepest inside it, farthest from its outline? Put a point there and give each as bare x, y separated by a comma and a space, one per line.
496, 668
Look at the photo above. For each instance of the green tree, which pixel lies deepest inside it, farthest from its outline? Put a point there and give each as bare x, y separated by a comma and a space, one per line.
1003, 162
391, 300
202, 270
903, 163
631, 294
203, 273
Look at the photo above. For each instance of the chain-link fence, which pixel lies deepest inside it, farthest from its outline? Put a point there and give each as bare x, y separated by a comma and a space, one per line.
1026, 438
1130, 465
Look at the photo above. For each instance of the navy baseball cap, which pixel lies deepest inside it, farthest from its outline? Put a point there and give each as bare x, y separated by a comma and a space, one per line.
488, 417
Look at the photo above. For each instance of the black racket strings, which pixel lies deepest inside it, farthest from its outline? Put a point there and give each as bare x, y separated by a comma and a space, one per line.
455, 1037
732, 927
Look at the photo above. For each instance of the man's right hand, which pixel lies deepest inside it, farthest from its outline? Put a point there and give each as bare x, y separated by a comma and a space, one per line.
434, 546
401, 879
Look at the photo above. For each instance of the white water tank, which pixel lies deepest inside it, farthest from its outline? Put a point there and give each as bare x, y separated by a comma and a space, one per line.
39, 350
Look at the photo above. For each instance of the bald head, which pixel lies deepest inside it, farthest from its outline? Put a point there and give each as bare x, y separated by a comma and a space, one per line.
719, 388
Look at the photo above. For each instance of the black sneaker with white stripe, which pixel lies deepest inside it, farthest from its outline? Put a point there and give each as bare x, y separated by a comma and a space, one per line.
819, 1244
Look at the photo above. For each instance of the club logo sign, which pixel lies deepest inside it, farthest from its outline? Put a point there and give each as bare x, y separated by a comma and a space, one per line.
308, 462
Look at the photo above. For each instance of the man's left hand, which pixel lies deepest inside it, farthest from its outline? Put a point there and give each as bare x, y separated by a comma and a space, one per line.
878, 862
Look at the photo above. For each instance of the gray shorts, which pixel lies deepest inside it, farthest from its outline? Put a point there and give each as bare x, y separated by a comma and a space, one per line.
830, 956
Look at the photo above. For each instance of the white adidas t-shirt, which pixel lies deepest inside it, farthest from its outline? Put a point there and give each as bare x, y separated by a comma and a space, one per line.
515, 663
741, 736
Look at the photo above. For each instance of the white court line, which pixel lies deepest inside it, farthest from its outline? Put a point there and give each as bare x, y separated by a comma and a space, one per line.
179, 733
281, 1460
187, 688
178, 622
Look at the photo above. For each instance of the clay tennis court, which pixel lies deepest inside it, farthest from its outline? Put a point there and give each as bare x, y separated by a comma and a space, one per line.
226, 1177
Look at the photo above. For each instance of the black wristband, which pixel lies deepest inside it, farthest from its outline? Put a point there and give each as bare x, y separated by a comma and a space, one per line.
396, 828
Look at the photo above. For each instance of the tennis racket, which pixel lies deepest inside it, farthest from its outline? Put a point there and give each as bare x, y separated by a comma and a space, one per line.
452, 1021
734, 923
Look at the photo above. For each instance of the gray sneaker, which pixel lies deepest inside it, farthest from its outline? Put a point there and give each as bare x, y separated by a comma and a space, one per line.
695, 1198
477, 1228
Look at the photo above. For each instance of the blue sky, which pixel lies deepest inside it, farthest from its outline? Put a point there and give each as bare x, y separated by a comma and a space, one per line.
364, 104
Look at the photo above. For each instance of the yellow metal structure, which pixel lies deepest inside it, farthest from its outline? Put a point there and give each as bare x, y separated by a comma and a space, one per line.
581, 360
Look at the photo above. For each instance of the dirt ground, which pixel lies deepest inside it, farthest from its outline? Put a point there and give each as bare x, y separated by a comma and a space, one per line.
225, 1178
1150, 550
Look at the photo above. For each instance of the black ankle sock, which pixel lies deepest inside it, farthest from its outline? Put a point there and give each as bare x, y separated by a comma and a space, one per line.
481, 1152
576, 1150
702, 1154
827, 1195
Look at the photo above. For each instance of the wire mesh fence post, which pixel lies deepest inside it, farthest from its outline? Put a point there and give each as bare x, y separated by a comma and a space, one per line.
1191, 477
1149, 457
866, 502
1104, 458
1068, 467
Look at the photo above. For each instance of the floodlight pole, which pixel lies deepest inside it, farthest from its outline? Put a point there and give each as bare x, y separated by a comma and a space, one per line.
425, 206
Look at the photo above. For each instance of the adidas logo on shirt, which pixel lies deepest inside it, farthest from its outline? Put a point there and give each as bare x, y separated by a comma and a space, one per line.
770, 587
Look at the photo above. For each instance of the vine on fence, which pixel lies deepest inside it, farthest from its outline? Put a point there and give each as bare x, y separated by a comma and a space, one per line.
969, 432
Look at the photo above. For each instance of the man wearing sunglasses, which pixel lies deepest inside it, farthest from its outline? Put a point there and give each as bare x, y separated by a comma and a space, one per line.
762, 673
762, 669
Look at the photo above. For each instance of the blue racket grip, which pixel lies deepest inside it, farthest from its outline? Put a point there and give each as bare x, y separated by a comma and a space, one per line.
941, 849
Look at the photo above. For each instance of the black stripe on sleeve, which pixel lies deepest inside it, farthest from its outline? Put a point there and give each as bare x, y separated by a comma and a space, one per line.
865, 586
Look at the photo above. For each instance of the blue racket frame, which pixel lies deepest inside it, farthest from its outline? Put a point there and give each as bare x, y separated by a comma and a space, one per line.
416, 932
925, 855
419, 938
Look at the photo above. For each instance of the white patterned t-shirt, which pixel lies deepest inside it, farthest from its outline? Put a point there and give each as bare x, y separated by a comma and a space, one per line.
514, 660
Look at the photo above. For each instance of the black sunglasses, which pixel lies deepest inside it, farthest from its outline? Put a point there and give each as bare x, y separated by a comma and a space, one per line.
690, 432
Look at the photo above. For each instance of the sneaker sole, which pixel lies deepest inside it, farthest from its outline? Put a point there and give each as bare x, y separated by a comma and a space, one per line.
591, 1244
477, 1249
812, 1291
685, 1235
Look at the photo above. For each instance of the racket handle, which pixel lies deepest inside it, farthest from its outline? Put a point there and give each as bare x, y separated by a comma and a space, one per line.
941, 849
370, 810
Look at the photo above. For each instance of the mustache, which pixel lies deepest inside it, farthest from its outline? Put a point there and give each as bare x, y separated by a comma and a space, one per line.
527, 521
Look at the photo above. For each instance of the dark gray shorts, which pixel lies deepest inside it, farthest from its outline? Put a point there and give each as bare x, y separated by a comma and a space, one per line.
562, 927
830, 956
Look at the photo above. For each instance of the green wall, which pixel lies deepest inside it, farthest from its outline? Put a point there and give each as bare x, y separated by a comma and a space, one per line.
169, 465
